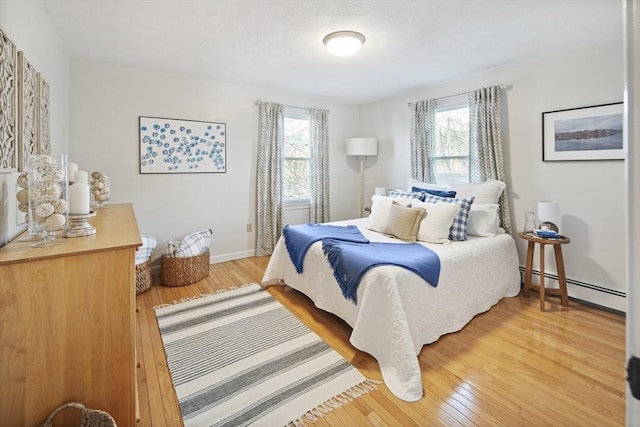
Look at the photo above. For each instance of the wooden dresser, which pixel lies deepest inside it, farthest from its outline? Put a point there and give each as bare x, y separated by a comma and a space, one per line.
67, 323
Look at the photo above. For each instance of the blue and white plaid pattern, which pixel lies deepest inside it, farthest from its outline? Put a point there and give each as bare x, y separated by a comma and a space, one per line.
458, 230
405, 195
194, 244
148, 245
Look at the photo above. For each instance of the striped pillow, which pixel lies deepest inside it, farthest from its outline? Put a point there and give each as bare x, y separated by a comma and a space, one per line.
458, 230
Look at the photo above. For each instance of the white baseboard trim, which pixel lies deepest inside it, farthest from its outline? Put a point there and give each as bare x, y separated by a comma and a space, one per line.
232, 256
155, 270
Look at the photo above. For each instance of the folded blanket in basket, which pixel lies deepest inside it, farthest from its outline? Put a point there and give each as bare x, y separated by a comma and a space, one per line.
193, 244
144, 252
350, 261
298, 238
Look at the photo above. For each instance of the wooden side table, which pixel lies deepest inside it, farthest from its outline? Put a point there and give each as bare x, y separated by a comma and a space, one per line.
562, 280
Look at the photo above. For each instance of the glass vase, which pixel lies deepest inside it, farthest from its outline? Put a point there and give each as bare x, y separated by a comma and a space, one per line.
48, 204
22, 209
530, 222
100, 190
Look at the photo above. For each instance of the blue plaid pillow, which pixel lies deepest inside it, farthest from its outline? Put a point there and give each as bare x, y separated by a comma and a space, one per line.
458, 230
403, 194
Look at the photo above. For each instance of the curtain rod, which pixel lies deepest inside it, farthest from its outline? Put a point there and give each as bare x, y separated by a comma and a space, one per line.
258, 102
411, 104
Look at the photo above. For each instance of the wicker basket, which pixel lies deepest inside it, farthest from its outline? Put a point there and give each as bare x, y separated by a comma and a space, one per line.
143, 276
183, 271
90, 417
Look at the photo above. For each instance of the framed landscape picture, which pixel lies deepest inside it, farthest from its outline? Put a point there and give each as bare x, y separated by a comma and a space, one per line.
182, 146
587, 133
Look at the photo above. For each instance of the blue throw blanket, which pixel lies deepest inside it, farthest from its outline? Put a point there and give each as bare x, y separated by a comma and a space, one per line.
350, 261
298, 238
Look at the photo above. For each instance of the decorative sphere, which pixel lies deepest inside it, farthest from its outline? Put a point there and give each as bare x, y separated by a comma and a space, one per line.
55, 221
22, 196
23, 180
60, 206
53, 174
39, 219
44, 210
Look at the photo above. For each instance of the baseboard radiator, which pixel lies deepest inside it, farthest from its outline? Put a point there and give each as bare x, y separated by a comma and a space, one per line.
574, 282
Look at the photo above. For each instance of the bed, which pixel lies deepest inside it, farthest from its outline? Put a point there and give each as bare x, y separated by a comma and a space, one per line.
397, 312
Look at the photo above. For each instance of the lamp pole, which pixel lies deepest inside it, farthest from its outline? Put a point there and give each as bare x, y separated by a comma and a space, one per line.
360, 212
362, 148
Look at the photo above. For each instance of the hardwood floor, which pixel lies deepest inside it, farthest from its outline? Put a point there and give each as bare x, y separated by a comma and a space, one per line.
510, 366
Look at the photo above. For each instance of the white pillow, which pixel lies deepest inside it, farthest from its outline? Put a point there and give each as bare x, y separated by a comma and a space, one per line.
487, 192
483, 220
380, 207
426, 185
436, 221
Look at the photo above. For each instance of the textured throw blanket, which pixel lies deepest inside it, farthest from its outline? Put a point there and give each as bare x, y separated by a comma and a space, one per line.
350, 261
298, 238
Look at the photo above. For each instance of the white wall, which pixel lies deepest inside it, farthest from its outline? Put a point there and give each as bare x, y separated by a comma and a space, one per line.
29, 27
105, 102
591, 194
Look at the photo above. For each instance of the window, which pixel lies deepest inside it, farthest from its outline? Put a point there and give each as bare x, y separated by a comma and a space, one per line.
296, 157
450, 159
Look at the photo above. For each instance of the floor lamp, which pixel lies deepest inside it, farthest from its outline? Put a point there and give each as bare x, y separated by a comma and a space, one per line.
362, 147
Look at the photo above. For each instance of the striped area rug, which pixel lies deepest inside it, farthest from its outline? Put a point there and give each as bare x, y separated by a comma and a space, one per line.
240, 358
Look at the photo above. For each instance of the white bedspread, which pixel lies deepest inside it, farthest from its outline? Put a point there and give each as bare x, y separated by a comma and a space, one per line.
397, 312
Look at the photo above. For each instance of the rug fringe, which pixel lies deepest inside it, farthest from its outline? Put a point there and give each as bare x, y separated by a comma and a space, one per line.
200, 296
347, 396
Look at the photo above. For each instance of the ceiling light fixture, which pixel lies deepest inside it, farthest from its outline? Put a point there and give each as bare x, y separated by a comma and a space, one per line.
343, 43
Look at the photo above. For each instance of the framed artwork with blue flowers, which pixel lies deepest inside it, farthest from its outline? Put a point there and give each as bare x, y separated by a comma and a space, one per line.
182, 146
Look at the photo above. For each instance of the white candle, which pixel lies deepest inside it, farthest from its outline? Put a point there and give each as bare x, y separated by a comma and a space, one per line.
72, 168
82, 177
79, 198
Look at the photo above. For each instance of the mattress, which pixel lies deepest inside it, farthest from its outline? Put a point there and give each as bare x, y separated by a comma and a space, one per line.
398, 312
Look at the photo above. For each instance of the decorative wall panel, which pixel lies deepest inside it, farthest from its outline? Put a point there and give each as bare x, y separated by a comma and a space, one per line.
44, 134
8, 104
27, 111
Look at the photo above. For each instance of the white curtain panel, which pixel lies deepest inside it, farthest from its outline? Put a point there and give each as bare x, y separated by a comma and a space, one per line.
269, 176
319, 208
485, 143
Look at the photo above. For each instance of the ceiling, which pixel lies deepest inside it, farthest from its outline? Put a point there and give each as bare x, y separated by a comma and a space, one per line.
278, 43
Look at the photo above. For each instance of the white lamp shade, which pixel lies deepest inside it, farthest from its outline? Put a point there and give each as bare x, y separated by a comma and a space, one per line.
362, 147
549, 212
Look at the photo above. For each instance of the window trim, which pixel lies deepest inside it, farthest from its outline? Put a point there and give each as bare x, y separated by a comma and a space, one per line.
298, 113
443, 105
